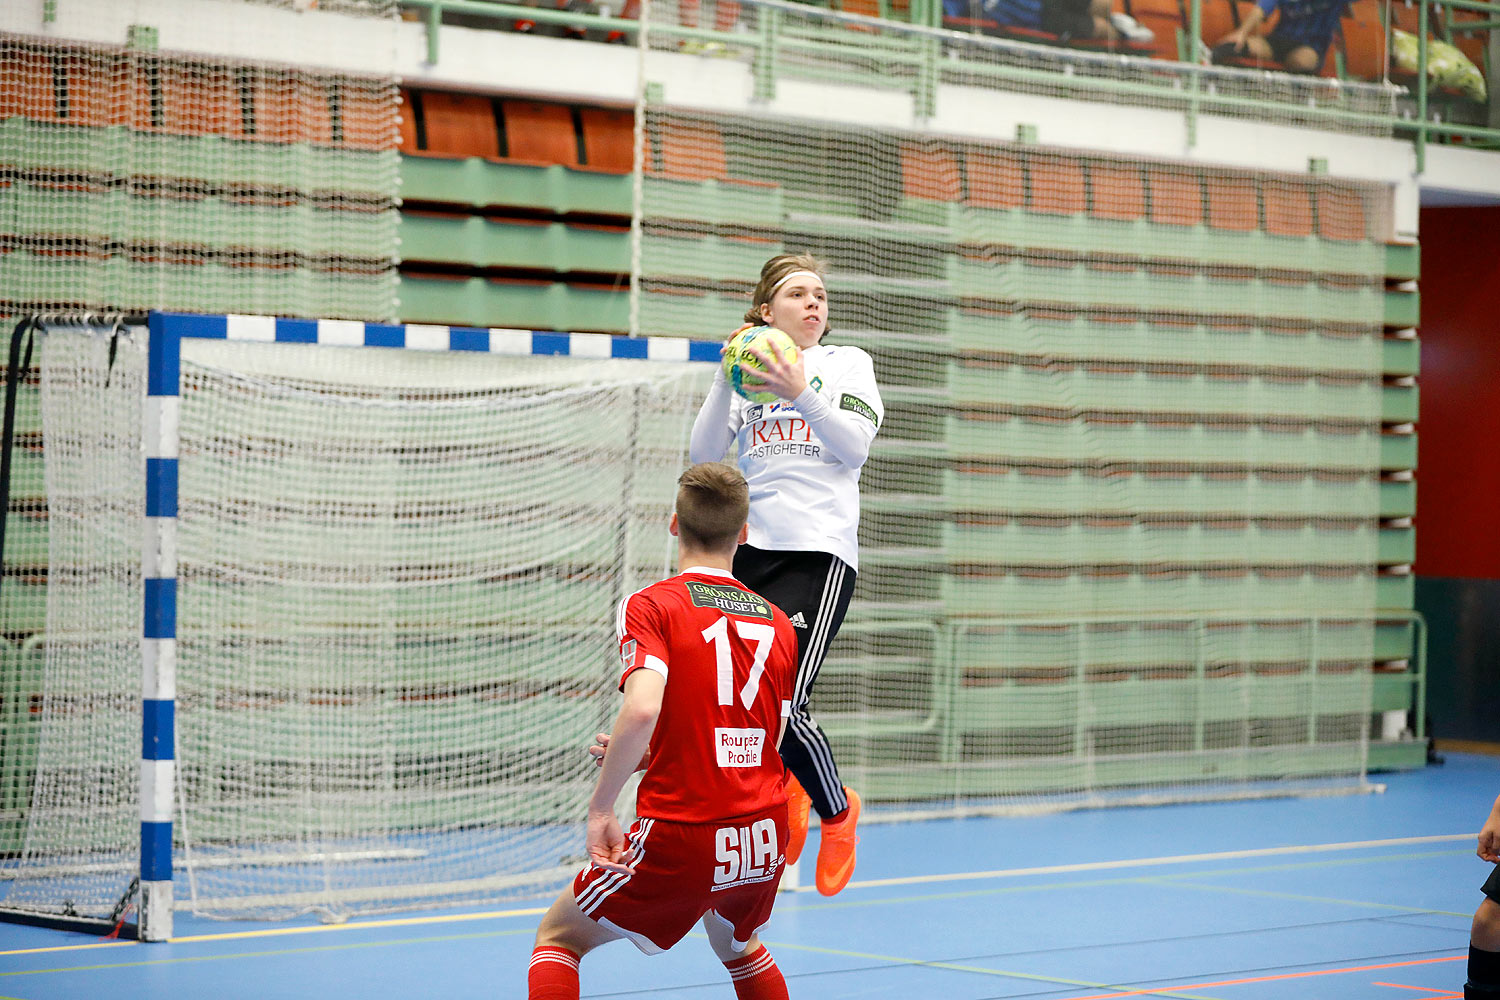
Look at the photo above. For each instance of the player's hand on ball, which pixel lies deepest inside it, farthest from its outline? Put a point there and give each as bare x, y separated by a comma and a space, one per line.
783, 375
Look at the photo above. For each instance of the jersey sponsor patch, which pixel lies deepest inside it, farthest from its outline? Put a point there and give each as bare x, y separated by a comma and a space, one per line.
627, 655
853, 403
731, 600
739, 747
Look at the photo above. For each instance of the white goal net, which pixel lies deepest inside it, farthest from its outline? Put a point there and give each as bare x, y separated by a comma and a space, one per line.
396, 576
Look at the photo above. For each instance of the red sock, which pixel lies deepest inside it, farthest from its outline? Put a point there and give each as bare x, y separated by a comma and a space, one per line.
553, 975
756, 977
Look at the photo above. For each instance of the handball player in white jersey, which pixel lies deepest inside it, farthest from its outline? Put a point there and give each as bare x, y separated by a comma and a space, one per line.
802, 456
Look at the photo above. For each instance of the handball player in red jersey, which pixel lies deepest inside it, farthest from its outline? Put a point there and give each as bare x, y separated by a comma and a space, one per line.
707, 668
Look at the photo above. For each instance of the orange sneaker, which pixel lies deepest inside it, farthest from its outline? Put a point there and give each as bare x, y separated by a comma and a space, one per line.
798, 805
836, 849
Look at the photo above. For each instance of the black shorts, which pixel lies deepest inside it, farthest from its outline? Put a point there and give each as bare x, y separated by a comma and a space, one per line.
1067, 18
813, 588
1282, 46
1492, 884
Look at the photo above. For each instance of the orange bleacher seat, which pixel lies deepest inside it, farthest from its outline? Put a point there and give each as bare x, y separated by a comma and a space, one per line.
725, 14
1472, 44
869, 8
1363, 29
929, 172
1176, 196
995, 179
1057, 184
408, 112
1164, 18
364, 111
459, 125
1116, 191
540, 133
1341, 215
189, 99
1289, 210
78, 86
293, 109
689, 151
1218, 18
27, 85
609, 139
1408, 16
1233, 202
97, 83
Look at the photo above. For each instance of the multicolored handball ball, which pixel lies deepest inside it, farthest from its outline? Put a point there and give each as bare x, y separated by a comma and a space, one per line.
738, 360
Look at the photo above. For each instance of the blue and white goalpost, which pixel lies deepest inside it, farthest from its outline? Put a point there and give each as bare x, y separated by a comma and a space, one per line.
376, 565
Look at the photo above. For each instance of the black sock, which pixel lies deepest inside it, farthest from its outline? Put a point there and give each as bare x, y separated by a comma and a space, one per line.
1484, 975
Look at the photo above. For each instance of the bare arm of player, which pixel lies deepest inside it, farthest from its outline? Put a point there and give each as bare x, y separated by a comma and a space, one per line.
630, 737
1489, 836
601, 747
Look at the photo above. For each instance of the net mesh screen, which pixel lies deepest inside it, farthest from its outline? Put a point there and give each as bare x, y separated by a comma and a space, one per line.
397, 577
1120, 527
134, 178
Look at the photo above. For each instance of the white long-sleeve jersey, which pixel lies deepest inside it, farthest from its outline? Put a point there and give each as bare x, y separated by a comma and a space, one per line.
801, 458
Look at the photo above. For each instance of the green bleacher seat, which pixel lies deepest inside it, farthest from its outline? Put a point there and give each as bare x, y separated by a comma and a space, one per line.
495, 184
474, 241
531, 305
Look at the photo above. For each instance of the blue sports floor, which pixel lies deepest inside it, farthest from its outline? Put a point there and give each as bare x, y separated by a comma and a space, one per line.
1364, 897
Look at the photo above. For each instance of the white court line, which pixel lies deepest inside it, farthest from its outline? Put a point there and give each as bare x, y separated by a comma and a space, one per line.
1176, 859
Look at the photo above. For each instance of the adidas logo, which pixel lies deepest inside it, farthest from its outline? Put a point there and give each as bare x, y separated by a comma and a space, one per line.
798, 621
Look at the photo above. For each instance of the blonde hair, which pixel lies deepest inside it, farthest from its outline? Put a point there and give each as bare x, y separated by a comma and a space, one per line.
771, 275
713, 501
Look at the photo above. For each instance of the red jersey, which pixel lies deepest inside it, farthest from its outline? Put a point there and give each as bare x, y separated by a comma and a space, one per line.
730, 660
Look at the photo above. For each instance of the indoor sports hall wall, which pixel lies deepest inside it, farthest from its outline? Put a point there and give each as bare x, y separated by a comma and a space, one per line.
139, 178
1130, 476
1458, 556
1137, 524
134, 176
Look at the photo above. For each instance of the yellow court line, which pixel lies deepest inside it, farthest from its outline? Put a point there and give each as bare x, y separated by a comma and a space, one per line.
185, 959
858, 884
446, 918
70, 947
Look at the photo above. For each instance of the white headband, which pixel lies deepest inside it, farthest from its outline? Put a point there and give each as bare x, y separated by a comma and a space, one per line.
795, 274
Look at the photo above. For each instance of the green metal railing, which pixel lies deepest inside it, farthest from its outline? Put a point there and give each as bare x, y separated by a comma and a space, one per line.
942, 708
918, 52
1424, 128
